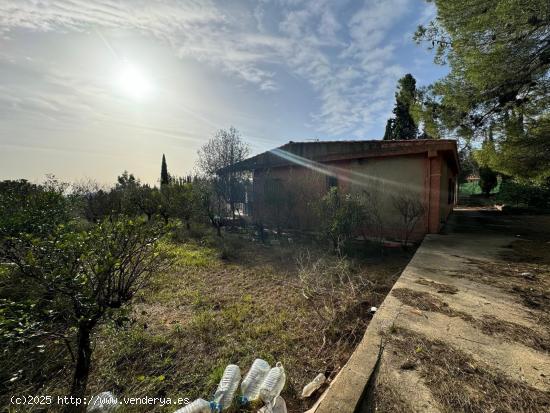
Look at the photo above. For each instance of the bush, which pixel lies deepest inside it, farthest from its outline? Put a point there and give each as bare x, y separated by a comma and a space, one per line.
410, 210
340, 217
487, 179
30, 208
336, 293
518, 194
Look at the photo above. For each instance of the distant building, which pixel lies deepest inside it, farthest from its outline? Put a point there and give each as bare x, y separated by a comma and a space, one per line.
287, 179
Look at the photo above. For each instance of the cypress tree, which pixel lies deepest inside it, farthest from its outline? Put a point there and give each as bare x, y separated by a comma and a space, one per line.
388, 134
164, 176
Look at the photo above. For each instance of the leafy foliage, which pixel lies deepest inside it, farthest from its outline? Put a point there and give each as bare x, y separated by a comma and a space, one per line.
403, 126
31, 208
487, 180
340, 217
499, 55
179, 200
517, 193
468, 163
60, 277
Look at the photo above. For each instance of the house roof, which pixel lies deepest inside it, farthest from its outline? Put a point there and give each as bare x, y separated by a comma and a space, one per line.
332, 151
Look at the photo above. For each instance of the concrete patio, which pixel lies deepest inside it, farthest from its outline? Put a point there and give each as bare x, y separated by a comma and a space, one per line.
466, 326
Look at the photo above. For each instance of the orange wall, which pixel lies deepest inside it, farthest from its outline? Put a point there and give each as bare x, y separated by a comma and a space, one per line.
419, 174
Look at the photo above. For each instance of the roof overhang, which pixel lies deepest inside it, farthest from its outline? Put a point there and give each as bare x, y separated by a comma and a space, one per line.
293, 153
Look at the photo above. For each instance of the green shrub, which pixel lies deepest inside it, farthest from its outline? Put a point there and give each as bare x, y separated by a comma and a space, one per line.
518, 194
340, 216
487, 179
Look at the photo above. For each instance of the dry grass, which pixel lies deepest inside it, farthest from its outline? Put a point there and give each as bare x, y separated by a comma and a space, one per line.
462, 384
490, 325
509, 331
388, 399
524, 271
226, 301
427, 302
190, 323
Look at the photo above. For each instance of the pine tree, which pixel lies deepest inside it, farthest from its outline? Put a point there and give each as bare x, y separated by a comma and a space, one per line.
164, 176
498, 53
403, 126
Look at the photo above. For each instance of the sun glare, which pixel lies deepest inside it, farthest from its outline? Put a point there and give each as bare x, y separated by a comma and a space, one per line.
132, 82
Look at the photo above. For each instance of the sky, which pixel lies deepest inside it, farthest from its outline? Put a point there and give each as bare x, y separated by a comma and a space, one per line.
89, 89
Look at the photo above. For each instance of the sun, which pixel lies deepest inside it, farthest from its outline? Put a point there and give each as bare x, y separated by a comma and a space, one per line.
132, 82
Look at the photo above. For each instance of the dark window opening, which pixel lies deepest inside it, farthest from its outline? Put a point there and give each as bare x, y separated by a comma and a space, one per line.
332, 182
451, 192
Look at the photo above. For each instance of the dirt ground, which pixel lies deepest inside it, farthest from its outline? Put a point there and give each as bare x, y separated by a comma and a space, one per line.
472, 331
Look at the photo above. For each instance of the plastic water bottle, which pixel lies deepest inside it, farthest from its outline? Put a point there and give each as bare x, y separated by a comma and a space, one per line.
273, 384
198, 406
250, 387
310, 388
279, 406
102, 402
227, 388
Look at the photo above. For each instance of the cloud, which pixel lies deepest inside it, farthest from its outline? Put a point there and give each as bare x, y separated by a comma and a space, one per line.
356, 77
345, 50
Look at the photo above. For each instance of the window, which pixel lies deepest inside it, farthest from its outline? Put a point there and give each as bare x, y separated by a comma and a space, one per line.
332, 181
451, 192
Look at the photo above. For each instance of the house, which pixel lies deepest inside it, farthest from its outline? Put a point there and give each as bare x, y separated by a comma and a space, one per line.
287, 179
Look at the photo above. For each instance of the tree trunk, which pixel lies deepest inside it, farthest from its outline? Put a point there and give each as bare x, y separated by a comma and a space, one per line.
187, 224
82, 368
218, 229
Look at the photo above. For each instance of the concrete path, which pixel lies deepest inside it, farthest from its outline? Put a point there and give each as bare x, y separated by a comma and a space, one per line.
465, 328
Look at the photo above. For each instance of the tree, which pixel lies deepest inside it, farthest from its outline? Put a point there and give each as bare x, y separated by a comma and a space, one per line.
468, 164
178, 201
96, 202
523, 152
211, 202
81, 277
226, 148
403, 126
388, 133
126, 181
164, 175
148, 200
30, 208
487, 179
499, 55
